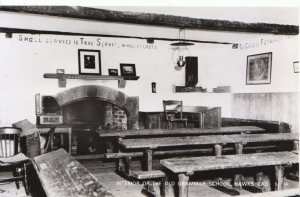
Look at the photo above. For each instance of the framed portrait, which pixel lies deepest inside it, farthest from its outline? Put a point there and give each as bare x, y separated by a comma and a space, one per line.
127, 69
259, 67
113, 72
296, 67
89, 62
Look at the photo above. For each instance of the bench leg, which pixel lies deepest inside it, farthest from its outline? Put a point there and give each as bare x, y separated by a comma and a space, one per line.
279, 182
183, 182
238, 181
239, 149
127, 162
148, 159
165, 187
218, 150
296, 145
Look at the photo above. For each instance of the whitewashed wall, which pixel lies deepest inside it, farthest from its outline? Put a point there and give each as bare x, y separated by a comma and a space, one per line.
23, 64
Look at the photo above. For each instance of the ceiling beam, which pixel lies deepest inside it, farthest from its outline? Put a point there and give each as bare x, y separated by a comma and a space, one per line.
155, 19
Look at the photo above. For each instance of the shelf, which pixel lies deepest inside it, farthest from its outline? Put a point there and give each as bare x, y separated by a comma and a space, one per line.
219, 89
63, 77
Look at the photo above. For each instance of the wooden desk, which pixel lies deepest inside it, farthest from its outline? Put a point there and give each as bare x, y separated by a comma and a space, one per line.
180, 132
150, 144
185, 167
62, 175
114, 136
61, 131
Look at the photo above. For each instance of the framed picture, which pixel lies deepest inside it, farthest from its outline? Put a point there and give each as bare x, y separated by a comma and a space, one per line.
296, 67
127, 69
113, 72
89, 62
259, 68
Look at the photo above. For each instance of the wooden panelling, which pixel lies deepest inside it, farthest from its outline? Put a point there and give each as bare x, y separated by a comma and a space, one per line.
268, 106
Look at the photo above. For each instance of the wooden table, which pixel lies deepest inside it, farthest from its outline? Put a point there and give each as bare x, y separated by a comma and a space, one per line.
62, 175
150, 144
180, 132
185, 167
113, 137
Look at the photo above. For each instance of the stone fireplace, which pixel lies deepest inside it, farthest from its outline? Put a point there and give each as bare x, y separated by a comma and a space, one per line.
91, 109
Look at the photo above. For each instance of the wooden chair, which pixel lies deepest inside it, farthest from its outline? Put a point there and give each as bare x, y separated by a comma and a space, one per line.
173, 112
10, 157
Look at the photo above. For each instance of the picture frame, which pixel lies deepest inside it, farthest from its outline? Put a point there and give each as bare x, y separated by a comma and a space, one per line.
259, 69
113, 72
127, 69
296, 67
89, 62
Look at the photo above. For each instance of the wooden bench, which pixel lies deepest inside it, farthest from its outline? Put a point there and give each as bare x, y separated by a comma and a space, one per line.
149, 145
62, 175
185, 167
113, 137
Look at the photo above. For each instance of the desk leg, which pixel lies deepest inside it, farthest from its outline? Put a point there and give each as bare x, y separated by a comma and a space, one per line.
279, 172
183, 182
148, 159
120, 165
70, 141
239, 148
218, 150
296, 145
165, 187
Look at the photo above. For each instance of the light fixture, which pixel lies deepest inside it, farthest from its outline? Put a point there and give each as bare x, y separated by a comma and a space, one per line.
181, 50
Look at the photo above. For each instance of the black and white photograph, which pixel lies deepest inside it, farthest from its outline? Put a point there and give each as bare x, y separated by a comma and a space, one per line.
127, 70
161, 98
89, 62
259, 68
113, 72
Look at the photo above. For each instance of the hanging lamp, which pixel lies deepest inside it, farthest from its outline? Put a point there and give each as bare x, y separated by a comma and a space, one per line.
181, 50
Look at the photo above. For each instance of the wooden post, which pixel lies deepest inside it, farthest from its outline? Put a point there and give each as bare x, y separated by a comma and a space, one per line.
296, 145
218, 150
148, 159
183, 182
239, 148
279, 172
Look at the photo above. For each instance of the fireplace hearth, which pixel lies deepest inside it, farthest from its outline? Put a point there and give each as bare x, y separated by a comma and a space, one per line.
91, 109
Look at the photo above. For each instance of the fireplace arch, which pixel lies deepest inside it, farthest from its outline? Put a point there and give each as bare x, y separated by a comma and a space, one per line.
129, 104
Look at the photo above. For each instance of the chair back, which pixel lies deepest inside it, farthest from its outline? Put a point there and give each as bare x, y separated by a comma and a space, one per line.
171, 107
9, 141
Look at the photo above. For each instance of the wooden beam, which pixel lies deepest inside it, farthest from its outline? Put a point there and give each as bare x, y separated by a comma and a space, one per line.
154, 19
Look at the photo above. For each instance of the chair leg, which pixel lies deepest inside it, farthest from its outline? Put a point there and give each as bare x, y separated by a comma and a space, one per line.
16, 173
25, 180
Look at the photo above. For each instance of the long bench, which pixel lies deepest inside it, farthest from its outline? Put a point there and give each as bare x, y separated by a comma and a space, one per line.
62, 175
185, 167
112, 137
149, 145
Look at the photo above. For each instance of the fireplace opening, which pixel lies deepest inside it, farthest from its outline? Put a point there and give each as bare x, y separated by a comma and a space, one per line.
90, 116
